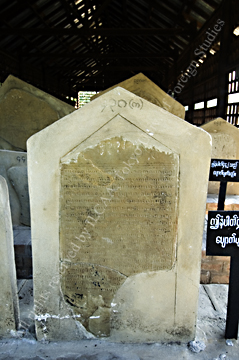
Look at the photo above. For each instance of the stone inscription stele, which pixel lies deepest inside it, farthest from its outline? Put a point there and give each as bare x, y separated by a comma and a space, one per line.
225, 139
224, 146
142, 86
118, 211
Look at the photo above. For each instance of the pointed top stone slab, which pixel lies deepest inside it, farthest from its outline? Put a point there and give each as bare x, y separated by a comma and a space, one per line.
9, 309
110, 192
142, 86
225, 145
26, 110
13, 167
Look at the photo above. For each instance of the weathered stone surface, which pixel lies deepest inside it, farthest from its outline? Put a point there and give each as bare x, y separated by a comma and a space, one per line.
9, 310
23, 251
18, 178
88, 288
128, 210
225, 145
142, 86
25, 295
114, 254
137, 195
13, 167
26, 110
5, 145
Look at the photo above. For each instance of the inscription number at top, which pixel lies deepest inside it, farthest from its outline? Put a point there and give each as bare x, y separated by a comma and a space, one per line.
114, 105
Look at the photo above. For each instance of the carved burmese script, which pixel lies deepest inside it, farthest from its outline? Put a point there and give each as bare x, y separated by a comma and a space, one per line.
111, 189
118, 216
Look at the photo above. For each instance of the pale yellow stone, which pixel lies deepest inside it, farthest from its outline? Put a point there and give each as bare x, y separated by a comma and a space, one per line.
9, 309
225, 145
142, 86
88, 287
157, 290
116, 242
88, 182
25, 110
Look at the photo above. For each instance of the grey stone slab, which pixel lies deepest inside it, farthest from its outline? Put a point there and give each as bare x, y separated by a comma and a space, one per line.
22, 235
204, 238
17, 186
26, 305
23, 251
18, 178
9, 309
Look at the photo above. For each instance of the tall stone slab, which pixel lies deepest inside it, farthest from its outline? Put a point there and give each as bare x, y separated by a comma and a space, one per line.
13, 167
142, 86
225, 145
116, 242
9, 309
25, 110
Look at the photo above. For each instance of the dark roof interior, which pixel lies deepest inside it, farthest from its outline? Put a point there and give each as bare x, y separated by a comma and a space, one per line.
64, 46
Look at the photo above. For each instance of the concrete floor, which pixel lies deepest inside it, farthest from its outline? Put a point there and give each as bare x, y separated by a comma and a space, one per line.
210, 331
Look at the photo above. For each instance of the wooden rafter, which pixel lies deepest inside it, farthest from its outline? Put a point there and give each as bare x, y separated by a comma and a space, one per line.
119, 32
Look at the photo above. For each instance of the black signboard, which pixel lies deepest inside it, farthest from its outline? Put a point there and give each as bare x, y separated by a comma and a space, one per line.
224, 170
223, 233
223, 239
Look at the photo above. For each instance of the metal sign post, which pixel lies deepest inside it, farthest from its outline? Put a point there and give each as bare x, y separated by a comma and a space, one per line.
223, 237
224, 171
223, 240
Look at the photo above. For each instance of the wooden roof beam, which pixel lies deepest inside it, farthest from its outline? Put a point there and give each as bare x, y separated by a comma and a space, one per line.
113, 32
93, 55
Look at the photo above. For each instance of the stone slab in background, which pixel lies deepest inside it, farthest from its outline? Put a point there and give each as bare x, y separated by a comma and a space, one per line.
26, 305
110, 176
13, 167
5, 145
225, 145
18, 178
23, 251
142, 86
26, 110
9, 308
